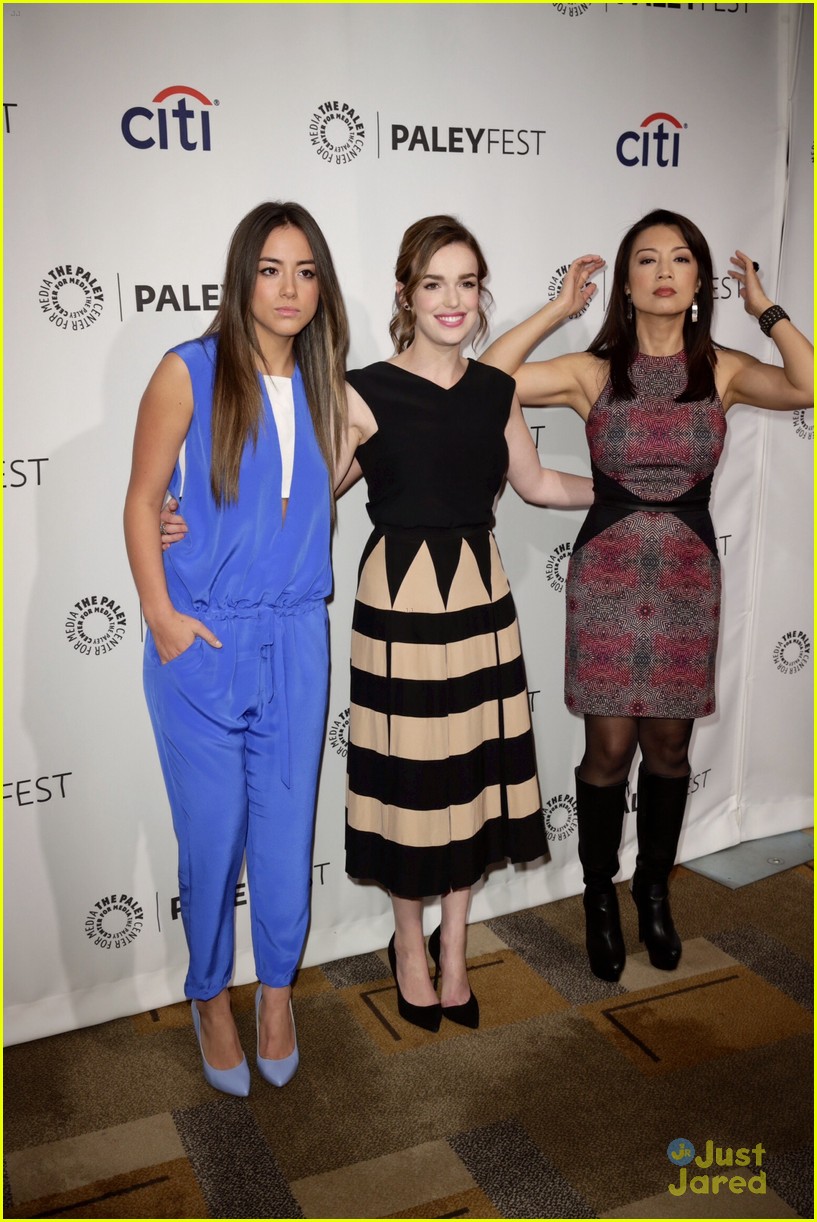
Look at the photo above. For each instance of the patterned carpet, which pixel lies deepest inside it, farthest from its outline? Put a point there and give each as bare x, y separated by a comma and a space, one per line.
562, 1105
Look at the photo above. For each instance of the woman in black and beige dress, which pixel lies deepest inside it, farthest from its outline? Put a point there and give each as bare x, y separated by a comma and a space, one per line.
442, 775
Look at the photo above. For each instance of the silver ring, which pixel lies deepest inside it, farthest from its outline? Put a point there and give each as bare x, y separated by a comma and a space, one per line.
162, 528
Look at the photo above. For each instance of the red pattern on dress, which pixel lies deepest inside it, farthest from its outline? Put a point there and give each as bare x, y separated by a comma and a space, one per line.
643, 595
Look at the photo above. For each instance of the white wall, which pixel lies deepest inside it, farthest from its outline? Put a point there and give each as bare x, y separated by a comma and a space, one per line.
526, 105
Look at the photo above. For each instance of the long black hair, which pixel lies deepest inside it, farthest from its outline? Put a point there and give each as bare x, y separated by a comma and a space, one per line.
617, 341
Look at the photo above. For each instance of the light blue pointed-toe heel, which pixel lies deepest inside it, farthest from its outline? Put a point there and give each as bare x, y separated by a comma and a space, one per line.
235, 1081
276, 1071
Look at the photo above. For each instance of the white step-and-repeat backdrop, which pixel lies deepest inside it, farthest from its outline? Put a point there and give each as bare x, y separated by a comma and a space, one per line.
136, 136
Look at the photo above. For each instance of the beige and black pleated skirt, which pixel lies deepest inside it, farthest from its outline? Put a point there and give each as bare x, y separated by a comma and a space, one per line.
441, 765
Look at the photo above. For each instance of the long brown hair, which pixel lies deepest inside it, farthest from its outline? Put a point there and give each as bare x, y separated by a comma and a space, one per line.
617, 341
420, 243
320, 349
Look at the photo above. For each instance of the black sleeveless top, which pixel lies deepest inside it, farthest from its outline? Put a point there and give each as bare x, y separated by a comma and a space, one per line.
439, 456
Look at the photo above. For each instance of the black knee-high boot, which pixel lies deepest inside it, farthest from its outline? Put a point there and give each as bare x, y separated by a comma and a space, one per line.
661, 803
600, 810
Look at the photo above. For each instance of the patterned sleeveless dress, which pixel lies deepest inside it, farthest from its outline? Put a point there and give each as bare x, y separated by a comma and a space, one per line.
643, 585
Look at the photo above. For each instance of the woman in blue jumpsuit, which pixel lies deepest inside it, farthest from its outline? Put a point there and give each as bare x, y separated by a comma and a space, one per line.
236, 656
427, 487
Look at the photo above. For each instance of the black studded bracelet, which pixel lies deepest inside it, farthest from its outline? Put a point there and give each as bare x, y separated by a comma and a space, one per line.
769, 317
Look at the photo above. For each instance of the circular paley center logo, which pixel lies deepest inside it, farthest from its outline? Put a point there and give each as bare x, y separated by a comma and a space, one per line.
339, 733
114, 921
571, 10
792, 652
555, 287
559, 814
556, 567
336, 132
803, 422
71, 297
95, 625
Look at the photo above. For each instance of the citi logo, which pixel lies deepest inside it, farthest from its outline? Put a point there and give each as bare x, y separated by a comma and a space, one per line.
181, 125
658, 147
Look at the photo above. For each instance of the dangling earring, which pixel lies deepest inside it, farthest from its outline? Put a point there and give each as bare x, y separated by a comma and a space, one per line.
694, 311
629, 308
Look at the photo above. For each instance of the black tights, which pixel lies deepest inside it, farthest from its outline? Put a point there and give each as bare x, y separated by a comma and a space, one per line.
610, 744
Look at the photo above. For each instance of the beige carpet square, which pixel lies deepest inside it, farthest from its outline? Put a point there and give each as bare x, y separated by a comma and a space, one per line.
471, 1204
60, 1166
381, 1186
679, 1025
699, 957
166, 1190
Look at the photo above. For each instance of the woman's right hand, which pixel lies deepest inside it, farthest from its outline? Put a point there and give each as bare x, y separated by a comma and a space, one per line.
577, 289
174, 633
755, 300
172, 525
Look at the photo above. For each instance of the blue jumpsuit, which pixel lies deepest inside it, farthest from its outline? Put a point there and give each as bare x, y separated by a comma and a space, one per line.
240, 729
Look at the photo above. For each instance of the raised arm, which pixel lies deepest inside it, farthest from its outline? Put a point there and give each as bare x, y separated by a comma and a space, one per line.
537, 484
164, 418
743, 379
541, 383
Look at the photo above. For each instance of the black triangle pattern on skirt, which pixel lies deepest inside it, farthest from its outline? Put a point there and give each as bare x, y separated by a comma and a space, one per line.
444, 549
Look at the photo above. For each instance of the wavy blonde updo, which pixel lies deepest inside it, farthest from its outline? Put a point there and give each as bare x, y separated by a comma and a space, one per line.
420, 243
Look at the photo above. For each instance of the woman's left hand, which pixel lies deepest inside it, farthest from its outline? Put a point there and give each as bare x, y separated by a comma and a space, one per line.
755, 300
172, 525
577, 290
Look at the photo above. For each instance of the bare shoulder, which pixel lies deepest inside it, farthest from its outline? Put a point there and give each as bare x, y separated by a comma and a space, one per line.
729, 363
361, 417
164, 417
590, 373
729, 360
573, 380
354, 400
171, 381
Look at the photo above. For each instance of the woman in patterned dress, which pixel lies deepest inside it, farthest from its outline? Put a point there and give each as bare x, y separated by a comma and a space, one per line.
643, 589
